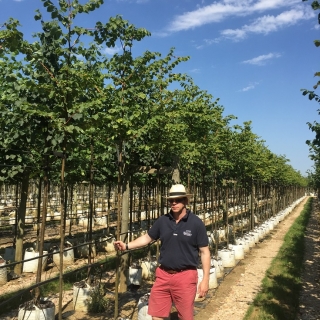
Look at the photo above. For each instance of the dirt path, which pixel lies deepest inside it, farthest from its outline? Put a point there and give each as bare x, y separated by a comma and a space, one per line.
231, 299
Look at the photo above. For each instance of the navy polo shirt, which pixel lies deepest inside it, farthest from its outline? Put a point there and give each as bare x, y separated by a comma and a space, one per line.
180, 242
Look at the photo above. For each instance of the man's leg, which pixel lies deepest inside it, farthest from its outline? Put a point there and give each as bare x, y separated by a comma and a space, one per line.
183, 292
160, 302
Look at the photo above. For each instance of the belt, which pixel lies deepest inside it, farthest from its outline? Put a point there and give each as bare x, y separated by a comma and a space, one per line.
174, 271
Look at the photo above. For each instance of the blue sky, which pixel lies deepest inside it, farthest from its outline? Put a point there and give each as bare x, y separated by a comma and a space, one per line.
254, 55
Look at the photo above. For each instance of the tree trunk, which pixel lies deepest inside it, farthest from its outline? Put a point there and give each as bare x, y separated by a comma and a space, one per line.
62, 235
225, 213
21, 222
91, 208
42, 231
119, 212
273, 200
38, 214
251, 206
124, 260
176, 171
71, 208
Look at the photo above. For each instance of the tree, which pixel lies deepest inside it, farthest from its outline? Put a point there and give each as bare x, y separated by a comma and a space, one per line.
314, 145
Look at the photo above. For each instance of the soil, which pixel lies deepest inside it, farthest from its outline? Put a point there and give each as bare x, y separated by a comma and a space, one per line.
235, 292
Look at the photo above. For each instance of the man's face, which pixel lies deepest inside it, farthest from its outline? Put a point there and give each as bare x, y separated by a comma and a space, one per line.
177, 204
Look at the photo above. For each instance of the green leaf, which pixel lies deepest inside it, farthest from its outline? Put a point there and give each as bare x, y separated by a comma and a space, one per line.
77, 116
38, 15
141, 95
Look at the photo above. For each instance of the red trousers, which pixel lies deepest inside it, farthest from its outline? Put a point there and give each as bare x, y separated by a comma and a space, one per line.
179, 288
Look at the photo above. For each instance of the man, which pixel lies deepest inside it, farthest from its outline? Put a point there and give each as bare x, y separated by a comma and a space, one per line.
183, 235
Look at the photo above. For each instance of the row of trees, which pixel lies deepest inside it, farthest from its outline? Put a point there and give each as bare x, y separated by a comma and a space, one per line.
63, 99
70, 113
314, 145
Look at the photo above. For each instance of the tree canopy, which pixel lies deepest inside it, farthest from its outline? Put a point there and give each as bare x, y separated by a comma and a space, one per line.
61, 96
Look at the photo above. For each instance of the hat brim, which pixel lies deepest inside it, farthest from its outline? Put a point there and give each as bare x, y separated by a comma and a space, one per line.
179, 196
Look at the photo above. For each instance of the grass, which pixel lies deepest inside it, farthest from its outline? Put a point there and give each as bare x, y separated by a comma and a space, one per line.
278, 298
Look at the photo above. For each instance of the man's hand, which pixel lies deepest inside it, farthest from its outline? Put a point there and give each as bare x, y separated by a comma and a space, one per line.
119, 245
203, 288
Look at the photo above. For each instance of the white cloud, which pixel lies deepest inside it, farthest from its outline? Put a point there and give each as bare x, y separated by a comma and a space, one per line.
218, 11
112, 51
207, 42
195, 70
131, 1
249, 87
211, 41
160, 34
263, 59
268, 23
201, 16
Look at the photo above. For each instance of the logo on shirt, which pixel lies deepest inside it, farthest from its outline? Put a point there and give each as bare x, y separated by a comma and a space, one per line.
187, 233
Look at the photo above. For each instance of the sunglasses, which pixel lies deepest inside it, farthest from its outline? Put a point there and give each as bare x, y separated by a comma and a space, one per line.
176, 200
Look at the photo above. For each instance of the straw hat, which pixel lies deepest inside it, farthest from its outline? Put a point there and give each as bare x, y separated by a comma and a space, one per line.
178, 191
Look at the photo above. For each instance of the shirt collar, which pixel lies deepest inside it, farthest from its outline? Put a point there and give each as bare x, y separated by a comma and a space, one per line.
185, 217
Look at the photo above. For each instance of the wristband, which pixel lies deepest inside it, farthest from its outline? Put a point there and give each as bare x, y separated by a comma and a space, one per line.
127, 248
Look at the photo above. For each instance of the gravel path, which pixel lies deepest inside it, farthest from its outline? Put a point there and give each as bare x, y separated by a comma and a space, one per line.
309, 308
239, 288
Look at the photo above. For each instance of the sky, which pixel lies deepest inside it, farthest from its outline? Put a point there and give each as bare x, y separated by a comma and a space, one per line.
254, 55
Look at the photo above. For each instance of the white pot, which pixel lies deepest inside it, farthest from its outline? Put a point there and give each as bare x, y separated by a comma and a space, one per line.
148, 268
251, 240
238, 251
135, 276
32, 266
143, 215
245, 243
83, 222
143, 308
271, 223
213, 280
217, 264
35, 313
82, 295
83, 251
3, 271
227, 257
105, 244
101, 221
255, 235
68, 256
222, 234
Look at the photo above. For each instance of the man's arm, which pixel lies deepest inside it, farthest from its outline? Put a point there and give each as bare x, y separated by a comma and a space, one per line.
206, 263
137, 243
